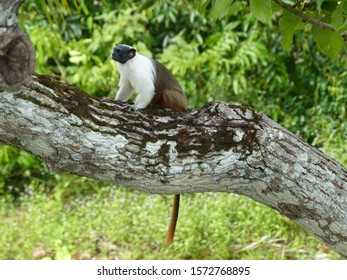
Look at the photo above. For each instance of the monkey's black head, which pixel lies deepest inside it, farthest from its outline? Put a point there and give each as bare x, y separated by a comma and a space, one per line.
122, 53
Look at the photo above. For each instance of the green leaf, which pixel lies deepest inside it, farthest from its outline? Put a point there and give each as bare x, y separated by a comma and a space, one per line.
319, 4
329, 42
337, 17
328, 6
289, 24
261, 9
202, 5
221, 8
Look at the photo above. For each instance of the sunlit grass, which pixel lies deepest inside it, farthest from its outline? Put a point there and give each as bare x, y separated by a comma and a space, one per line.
114, 223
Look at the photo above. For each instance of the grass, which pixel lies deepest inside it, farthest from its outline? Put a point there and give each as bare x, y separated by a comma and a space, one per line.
115, 223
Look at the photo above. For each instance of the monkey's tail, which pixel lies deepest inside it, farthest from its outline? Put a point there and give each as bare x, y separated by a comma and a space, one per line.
173, 222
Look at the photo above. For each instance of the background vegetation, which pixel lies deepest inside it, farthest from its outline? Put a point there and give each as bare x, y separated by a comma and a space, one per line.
237, 58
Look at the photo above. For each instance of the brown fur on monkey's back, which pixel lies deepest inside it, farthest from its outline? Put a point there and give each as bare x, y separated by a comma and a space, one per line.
168, 94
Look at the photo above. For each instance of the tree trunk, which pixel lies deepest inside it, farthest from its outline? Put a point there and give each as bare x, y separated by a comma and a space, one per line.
17, 56
217, 148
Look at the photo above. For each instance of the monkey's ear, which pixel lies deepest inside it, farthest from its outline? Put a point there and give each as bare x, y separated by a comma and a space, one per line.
132, 53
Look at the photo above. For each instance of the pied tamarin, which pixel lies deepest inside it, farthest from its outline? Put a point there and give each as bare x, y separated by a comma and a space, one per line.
155, 88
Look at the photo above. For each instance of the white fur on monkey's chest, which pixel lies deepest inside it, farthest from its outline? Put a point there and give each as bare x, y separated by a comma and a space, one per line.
139, 71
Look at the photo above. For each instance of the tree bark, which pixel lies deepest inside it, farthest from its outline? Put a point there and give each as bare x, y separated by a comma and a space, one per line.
217, 148
17, 56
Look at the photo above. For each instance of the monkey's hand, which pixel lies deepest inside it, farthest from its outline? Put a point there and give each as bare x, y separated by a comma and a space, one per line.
133, 108
144, 98
130, 107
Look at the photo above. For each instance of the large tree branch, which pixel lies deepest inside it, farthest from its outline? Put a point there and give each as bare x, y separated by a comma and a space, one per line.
217, 148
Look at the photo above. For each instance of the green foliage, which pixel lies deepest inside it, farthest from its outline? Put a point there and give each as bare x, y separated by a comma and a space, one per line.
327, 26
222, 55
262, 10
221, 8
289, 23
18, 169
330, 42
